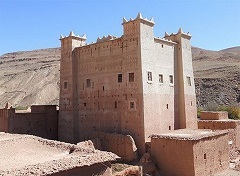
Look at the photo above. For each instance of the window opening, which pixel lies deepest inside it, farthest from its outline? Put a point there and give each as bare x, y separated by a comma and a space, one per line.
119, 78
65, 85
189, 81
115, 105
88, 83
149, 74
132, 105
171, 79
160, 78
131, 77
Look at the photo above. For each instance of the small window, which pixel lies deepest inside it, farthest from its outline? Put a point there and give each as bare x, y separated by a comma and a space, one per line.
131, 77
149, 74
189, 81
171, 79
65, 85
132, 105
169, 127
205, 156
160, 78
85, 104
119, 78
167, 106
88, 83
115, 105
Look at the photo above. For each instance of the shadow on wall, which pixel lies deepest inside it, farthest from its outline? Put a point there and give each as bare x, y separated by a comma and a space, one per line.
41, 121
122, 145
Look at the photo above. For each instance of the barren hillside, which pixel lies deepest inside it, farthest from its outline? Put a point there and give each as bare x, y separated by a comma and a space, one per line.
32, 77
217, 76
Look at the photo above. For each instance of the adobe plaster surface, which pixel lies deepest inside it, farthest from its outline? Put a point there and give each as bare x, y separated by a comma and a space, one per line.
191, 152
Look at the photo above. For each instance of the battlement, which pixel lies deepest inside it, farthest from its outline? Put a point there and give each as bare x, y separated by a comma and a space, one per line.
104, 38
139, 17
180, 32
71, 34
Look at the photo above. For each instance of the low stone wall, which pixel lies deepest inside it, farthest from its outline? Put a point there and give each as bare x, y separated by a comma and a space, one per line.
122, 145
233, 126
214, 115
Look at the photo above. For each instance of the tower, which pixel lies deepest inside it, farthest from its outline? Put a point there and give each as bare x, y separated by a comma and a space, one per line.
67, 85
185, 97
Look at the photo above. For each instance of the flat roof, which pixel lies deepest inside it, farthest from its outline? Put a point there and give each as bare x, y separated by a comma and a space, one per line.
27, 154
189, 134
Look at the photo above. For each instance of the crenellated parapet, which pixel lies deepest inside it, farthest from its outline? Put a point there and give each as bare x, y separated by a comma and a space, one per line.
179, 33
71, 34
139, 17
105, 38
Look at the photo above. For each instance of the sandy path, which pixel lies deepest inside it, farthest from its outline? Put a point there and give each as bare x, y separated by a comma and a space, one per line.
26, 151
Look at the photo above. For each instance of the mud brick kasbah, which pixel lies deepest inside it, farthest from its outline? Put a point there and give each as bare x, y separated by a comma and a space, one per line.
137, 93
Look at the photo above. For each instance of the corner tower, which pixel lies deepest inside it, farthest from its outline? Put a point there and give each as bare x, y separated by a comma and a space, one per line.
67, 83
185, 97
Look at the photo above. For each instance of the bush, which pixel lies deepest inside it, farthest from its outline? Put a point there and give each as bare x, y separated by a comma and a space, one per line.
21, 107
199, 113
233, 112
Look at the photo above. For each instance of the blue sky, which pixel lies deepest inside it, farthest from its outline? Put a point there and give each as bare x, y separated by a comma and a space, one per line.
36, 24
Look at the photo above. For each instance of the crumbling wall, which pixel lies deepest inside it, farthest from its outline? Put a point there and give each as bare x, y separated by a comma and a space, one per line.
233, 126
122, 145
41, 121
102, 169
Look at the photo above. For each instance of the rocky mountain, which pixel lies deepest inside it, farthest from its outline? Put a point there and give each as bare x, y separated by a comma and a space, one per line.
217, 77
32, 77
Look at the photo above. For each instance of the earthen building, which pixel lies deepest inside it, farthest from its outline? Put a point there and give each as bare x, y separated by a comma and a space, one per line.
136, 84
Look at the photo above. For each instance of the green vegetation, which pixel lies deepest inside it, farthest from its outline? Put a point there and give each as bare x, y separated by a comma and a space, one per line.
199, 113
233, 111
21, 107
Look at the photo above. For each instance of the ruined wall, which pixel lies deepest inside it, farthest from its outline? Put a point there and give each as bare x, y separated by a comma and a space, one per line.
102, 169
122, 145
211, 156
214, 115
41, 121
191, 157
232, 125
